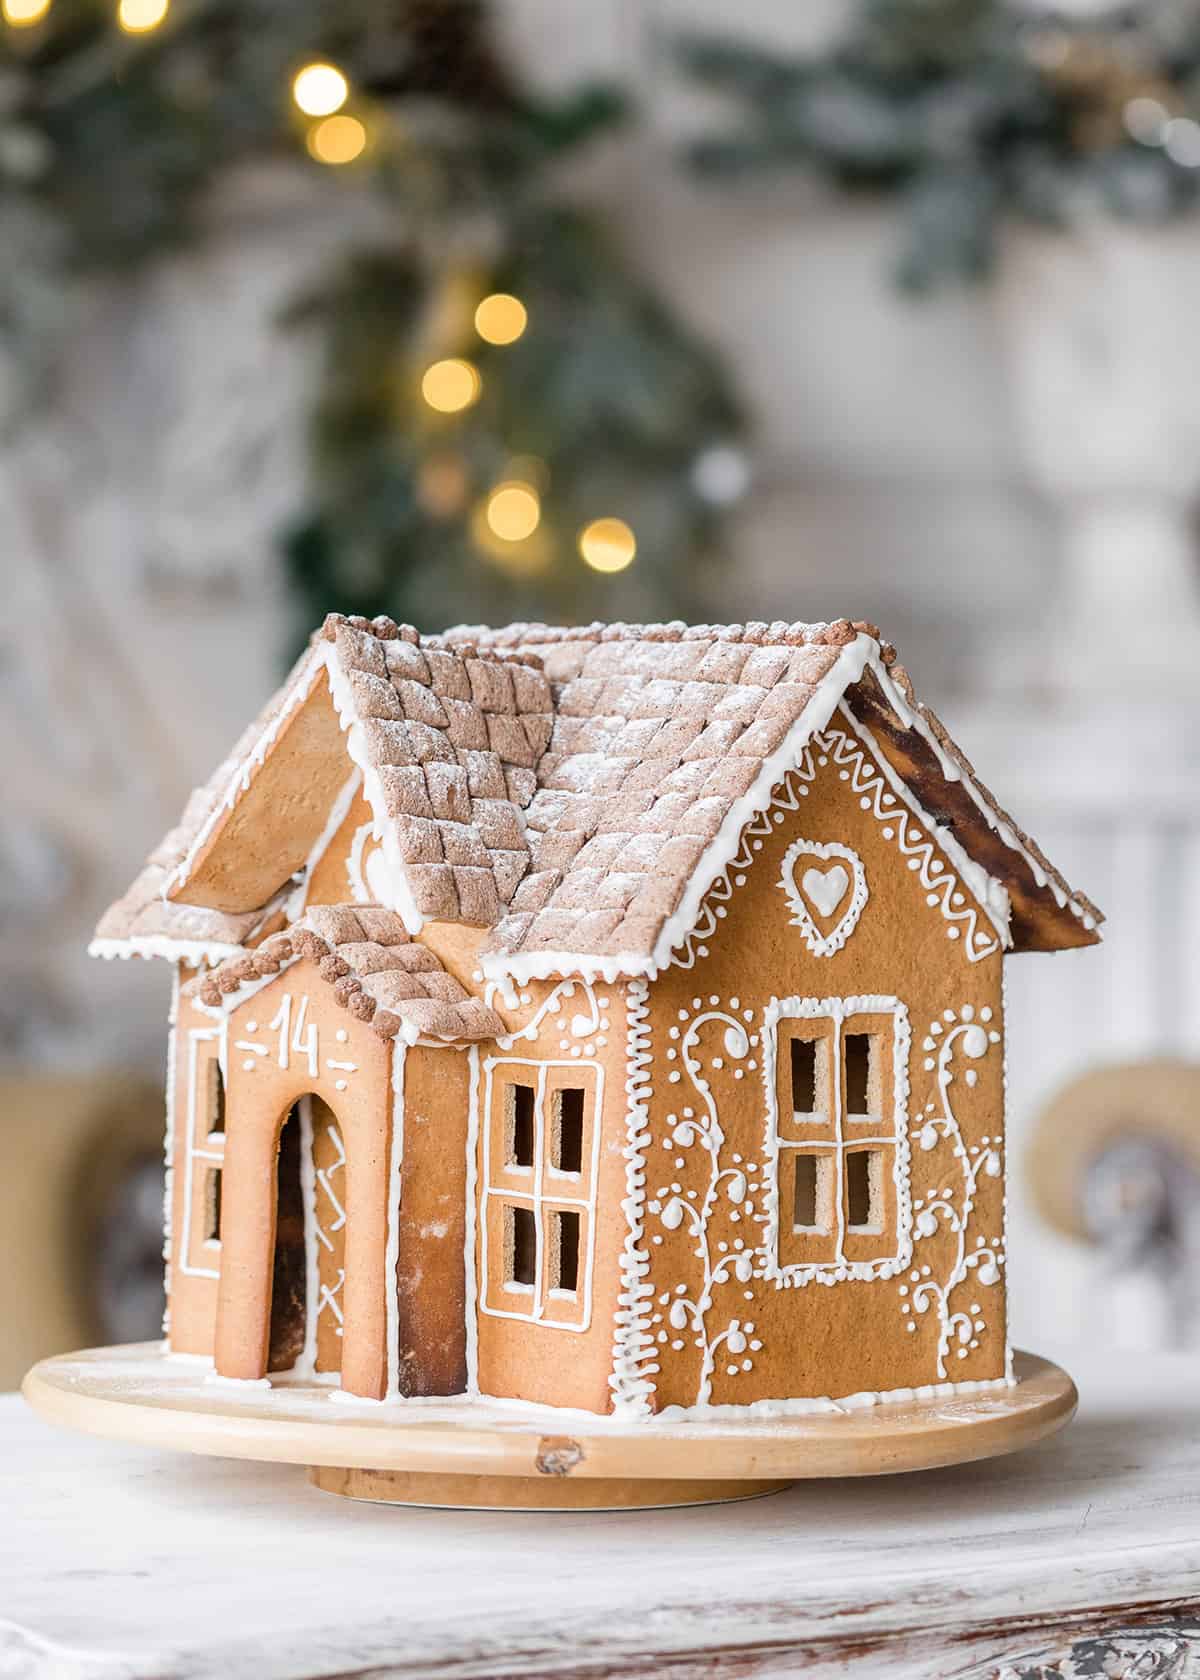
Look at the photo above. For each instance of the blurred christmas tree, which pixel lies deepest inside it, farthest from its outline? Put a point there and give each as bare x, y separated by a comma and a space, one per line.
506, 414
970, 110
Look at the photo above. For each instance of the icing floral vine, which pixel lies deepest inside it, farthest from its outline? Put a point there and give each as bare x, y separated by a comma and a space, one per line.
587, 1024
958, 1032
943, 889
722, 1261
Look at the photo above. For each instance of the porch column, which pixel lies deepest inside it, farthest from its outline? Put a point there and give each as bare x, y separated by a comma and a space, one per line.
364, 1341
248, 1192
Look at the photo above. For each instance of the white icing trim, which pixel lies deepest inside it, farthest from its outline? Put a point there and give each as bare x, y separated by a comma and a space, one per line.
990, 894
401, 898
360, 892
471, 1201
169, 1151
395, 1170
1005, 1163
823, 944
862, 1401
198, 952
306, 1364
838, 1010
196, 1153
954, 772
635, 1363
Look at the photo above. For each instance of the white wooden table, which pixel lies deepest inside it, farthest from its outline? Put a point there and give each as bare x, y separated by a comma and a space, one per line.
121, 1563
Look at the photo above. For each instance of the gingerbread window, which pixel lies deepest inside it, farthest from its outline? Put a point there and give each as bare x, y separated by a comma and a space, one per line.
540, 1153
837, 1144
201, 1153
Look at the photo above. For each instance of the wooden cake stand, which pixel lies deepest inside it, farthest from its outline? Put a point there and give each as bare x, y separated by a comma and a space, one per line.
503, 1454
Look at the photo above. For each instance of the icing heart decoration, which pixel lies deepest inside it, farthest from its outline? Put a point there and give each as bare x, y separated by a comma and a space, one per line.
826, 890
823, 880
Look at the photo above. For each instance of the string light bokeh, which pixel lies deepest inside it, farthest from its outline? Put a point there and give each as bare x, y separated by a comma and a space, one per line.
22, 13
501, 318
607, 545
320, 89
138, 17
508, 522
451, 385
514, 511
337, 140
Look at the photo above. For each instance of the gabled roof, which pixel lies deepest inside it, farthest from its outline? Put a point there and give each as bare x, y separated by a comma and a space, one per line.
377, 974
578, 792
142, 922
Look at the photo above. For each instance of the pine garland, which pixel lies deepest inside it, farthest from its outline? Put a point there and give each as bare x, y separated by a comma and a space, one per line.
970, 111
605, 406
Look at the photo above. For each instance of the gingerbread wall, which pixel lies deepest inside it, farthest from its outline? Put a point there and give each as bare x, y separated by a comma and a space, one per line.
719, 1326
568, 1035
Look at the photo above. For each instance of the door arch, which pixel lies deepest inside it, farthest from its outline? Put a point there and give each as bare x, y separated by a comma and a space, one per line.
260, 1297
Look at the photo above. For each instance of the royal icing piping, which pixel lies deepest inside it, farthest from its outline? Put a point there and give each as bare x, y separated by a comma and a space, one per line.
634, 1363
827, 890
968, 1033
395, 1191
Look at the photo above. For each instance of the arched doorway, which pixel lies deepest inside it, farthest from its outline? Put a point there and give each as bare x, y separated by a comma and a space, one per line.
308, 1277
304, 1243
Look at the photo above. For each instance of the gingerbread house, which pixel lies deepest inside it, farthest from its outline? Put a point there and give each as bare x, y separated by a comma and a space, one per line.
611, 1018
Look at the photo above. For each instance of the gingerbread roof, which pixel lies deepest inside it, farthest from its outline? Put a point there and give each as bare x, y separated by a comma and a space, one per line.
449, 740
377, 972
142, 922
577, 792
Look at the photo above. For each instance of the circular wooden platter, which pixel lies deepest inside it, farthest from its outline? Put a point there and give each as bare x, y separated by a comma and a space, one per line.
505, 1454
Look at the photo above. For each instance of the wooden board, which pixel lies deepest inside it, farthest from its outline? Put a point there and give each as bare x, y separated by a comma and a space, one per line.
564, 1460
120, 1562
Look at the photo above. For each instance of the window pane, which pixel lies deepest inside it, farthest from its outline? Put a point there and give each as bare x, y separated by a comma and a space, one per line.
214, 1096
864, 1189
566, 1142
804, 1075
564, 1273
860, 1053
519, 1125
212, 1205
810, 1194
520, 1245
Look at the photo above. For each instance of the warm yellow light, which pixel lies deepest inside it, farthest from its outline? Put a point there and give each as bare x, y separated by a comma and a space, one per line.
607, 545
21, 13
450, 385
136, 16
337, 140
501, 318
320, 90
513, 511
